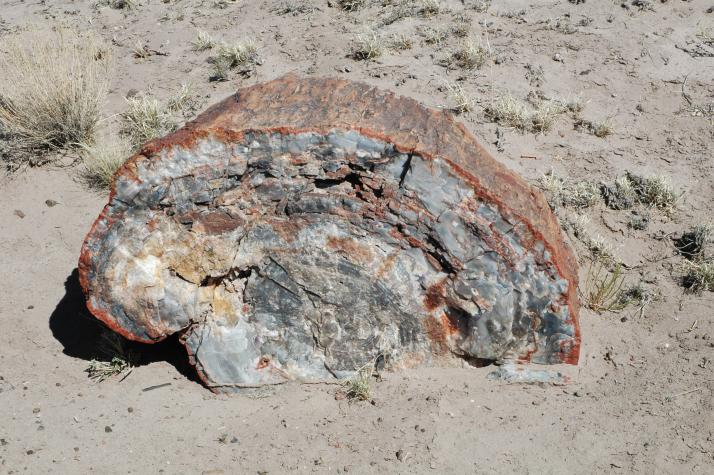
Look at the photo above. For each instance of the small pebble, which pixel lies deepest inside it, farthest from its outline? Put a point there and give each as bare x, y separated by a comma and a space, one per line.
107, 429
19, 213
51, 203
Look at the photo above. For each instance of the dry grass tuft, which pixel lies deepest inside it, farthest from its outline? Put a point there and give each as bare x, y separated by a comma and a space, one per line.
242, 52
604, 288
463, 103
117, 359
52, 90
479, 6
471, 55
144, 120
657, 191
620, 195
101, 160
429, 7
367, 46
359, 387
401, 42
699, 276
461, 27
538, 116
560, 192
203, 42
183, 100
351, 5
119, 4
434, 35
599, 129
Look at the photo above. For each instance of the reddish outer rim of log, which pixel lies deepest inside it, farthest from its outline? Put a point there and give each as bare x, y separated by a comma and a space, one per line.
291, 104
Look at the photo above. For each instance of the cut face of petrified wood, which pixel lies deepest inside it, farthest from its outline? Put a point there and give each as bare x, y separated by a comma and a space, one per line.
305, 227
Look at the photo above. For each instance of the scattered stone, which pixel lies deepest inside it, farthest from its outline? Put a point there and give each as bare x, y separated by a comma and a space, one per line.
19, 213
232, 230
401, 455
107, 429
51, 203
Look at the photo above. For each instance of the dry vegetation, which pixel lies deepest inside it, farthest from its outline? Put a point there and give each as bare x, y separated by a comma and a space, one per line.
101, 160
52, 90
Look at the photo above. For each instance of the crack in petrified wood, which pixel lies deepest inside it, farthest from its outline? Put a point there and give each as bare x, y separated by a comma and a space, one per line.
302, 254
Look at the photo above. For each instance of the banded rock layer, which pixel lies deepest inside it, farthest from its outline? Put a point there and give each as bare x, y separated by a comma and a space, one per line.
303, 228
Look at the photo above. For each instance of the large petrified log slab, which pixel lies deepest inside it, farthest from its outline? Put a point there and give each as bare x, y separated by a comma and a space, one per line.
304, 227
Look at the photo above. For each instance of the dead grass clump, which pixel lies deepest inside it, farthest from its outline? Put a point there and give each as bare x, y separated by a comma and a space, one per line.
147, 118
239, 53
116, 359
463, 103
657, 191
184, 101
401, 42
144, 120
358, 387
654, 191
479, 6
538, 116
599, 129
351, 5
604, 288
471, 55
102, 159
429, 7
242, 56
367, 46
461, 27
203, 42
294, 8
52, 90
620, 195
509, 112
433, 35
119, 4
561, 192
699, 276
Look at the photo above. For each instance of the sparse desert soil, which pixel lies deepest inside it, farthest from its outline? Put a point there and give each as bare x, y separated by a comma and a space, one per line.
641, 399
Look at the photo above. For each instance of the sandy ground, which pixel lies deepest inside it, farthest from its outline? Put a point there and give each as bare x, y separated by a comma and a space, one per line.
641, 399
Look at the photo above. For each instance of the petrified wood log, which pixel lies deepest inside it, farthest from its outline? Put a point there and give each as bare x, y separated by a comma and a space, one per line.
304, 227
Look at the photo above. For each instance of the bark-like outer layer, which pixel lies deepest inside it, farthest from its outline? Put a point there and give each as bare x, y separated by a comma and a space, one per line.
294, 105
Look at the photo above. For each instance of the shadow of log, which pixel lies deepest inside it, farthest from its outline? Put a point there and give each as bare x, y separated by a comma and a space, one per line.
81, 334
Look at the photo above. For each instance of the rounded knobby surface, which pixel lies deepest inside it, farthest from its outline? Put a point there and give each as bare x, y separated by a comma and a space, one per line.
304, 228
